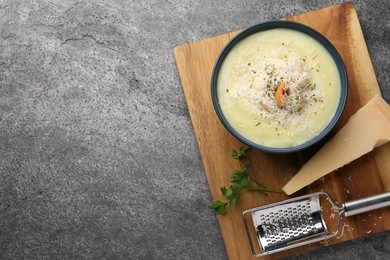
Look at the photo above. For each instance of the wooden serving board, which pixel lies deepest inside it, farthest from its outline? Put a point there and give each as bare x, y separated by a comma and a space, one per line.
366, 176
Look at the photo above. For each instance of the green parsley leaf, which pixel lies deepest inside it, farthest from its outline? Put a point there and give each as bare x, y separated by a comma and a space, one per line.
219, 206
226, 192
237, 155
233, 201
237, 176
240, 181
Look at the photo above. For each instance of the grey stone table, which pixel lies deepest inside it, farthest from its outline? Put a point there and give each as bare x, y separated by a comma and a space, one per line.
98, 159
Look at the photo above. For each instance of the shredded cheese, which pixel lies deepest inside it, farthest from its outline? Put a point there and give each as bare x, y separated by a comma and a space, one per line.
256, 80
342, 231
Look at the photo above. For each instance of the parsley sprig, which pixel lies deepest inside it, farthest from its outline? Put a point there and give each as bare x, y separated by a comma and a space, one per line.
241, 181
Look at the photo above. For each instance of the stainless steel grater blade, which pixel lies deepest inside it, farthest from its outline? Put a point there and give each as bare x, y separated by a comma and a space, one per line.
297, 222
279, 225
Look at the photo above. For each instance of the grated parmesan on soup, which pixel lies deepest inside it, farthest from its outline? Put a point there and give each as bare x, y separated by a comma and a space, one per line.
278, 88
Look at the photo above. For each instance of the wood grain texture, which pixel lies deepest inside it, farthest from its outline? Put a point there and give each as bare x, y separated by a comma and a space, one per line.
366, 176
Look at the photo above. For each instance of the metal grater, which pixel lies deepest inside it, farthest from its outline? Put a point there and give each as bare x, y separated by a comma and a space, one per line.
299, 221
279, 225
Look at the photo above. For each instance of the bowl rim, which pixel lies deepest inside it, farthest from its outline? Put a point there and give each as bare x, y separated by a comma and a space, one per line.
273, 24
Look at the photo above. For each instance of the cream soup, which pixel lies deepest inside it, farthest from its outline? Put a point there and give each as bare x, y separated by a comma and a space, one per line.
278, 88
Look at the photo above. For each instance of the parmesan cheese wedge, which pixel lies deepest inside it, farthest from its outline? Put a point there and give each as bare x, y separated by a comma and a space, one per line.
368, 128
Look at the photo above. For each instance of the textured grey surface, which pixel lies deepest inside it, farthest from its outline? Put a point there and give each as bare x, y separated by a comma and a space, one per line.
98, 159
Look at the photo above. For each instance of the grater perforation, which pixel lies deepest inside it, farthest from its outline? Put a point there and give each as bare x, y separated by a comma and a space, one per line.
280, 225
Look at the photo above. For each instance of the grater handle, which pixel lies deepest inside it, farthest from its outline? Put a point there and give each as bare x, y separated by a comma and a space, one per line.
355, 207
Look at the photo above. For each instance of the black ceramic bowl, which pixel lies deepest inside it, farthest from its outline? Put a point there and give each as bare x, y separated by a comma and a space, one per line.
313, 34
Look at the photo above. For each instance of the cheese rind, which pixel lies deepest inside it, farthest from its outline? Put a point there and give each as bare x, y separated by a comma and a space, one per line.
368, 128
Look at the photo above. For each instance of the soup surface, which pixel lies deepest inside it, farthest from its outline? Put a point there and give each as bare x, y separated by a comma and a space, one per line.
278, 88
